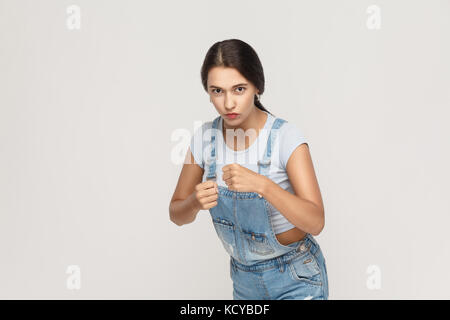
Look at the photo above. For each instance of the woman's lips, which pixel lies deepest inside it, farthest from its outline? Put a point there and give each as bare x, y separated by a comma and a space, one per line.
232, 115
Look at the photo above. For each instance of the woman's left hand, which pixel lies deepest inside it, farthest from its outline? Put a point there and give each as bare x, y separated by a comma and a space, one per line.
239, 178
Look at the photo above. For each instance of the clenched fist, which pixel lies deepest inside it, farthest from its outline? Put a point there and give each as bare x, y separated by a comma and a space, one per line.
239, 178
205, 195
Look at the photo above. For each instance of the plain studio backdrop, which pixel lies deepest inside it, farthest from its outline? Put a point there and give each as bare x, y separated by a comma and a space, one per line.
98, 100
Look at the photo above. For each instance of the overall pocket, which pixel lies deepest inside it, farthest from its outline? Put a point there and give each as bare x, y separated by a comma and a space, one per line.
305, 268
225, 231
258, 243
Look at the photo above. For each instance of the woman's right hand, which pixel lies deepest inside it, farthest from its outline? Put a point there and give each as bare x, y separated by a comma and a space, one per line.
205, 195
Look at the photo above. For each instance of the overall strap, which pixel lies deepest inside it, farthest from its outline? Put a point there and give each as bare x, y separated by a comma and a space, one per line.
211, 161
264, 164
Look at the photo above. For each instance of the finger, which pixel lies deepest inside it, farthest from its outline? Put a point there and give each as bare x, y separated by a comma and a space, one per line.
226, 167
209, 184
211, 191
210, 198
206, 192
229, 174
210, 205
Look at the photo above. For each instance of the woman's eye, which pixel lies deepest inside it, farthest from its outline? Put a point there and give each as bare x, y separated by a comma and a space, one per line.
240, 91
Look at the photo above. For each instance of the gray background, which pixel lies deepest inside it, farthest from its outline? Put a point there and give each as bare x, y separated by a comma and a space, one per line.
94, 124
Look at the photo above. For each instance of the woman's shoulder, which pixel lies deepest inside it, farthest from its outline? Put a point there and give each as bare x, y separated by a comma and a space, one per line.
202, 134
204, 129
287, 126
200, 140
290, 136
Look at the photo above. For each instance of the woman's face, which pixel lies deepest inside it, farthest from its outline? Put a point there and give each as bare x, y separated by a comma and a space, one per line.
230, 92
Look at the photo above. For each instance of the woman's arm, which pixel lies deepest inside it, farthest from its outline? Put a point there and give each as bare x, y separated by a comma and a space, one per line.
182, 211
182, 208
304, 209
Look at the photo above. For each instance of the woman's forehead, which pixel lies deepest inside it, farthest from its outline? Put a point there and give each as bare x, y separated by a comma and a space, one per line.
225, 78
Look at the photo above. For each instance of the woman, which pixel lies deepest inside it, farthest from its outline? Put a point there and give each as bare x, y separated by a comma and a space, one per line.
266, 210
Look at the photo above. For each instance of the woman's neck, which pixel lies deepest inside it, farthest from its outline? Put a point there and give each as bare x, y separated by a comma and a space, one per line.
255, 120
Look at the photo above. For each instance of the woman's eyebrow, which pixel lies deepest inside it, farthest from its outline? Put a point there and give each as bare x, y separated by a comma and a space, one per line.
236, 85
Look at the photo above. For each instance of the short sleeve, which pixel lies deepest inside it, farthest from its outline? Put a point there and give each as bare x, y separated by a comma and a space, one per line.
290, 138
198, 142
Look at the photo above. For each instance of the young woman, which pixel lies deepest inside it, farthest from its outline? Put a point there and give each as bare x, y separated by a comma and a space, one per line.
266, 207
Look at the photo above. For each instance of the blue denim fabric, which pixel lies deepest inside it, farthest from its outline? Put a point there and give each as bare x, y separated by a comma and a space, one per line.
260, 266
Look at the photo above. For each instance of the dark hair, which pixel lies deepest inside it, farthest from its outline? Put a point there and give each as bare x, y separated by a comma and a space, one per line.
235, 53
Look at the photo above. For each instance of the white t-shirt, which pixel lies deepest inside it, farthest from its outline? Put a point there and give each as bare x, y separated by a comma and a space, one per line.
288, 138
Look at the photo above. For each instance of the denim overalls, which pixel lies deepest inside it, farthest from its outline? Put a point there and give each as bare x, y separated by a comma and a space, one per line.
260, 266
